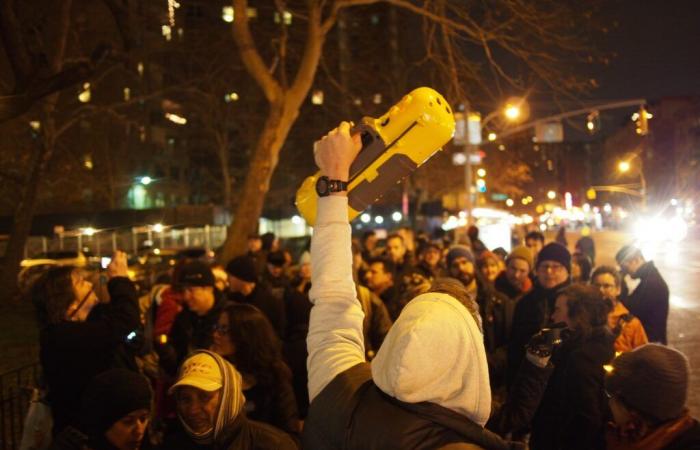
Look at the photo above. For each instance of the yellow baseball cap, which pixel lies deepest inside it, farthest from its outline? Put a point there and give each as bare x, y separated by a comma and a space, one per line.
200, 371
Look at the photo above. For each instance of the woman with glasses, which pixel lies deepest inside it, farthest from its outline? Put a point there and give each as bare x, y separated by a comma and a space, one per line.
245, 337
81, 337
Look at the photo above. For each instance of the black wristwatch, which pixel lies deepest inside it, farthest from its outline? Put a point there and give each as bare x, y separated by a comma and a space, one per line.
324, 186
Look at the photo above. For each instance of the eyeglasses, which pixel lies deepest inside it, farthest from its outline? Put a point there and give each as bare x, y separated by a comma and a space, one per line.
221, 329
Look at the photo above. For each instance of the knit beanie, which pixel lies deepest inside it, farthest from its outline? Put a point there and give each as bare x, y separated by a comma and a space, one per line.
555, 252
485, 256
276, 258
110, 396
652, 379
243, 267
523, 253
459, 251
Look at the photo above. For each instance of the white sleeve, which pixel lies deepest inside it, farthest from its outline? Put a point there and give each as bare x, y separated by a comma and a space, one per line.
335, 341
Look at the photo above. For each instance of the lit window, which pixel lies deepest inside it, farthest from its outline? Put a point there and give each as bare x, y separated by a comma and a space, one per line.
227, 14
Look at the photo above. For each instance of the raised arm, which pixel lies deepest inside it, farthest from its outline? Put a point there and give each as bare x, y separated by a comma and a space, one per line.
335, 340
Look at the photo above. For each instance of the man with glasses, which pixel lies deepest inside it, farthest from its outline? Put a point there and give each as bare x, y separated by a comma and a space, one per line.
533, 311
650, 299
627, 329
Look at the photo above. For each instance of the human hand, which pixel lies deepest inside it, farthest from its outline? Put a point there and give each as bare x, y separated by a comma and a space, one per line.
118, 266
335, 152
543, 344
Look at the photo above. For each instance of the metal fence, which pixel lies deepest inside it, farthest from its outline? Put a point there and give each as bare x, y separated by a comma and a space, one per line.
16, 388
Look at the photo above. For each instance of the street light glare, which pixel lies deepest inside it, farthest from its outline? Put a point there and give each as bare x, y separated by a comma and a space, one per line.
481, 172
492, 136
146, 180
551, 195
512, 112
624, 166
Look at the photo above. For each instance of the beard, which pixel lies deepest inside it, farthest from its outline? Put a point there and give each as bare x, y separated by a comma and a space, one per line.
466, 278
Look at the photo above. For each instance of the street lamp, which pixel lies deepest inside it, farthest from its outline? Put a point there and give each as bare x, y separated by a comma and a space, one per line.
625, 166
551, 195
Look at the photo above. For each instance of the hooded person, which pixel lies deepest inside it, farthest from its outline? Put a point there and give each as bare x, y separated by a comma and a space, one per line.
428, 385
209, 398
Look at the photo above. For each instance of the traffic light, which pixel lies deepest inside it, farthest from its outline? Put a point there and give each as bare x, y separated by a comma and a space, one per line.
641, 119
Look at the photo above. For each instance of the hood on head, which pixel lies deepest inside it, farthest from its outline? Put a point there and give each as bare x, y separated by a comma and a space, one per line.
435, 353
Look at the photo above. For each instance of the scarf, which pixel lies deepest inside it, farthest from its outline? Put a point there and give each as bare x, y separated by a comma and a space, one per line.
657, 439
230, 404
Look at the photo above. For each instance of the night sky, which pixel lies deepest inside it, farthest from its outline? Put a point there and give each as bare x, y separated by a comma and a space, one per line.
658, 50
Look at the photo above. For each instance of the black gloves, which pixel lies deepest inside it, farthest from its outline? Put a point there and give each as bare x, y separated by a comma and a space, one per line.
541, 346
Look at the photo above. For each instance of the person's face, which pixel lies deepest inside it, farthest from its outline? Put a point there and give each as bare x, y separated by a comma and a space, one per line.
490, 269
377, 278
275, 271
535, 245
197, 408
551, 274
575, 271
517, 271
370, 242
606, 283
127, 432
462, 269
395, 249
561, 311
631, 265
199, 299
85, 298
222, 343
305, 271
254, 244
431, 256
235, 284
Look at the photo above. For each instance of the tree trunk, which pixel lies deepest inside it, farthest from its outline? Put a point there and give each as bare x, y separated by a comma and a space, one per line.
257, 182
21, 227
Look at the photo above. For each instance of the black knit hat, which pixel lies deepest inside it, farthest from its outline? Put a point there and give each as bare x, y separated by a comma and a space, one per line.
195, 273
243, 268
555, 252
276, 258
110, 396
652, 379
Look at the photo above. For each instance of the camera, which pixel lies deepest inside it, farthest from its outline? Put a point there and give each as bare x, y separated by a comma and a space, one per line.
547, 339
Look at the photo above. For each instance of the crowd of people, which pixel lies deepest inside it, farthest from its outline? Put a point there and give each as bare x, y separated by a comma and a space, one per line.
417, 344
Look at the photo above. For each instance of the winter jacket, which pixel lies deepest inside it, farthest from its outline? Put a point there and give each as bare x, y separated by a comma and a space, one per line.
275, 405
680, 434
190, 332
532, 313
72, 353
298, 309
244, 434
627, 329
650, 302
573, 410
271, 306
503, 286
355, 405
496, 312
377, 321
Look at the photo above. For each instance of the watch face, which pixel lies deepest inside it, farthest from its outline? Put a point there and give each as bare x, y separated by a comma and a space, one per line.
322, 186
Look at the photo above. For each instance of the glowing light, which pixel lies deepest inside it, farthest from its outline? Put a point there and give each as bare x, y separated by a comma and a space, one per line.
543, 227
231, 97
608, 368
397, 216
377, 99
512, 112
158, 228
146, 180
317, 97
551, 195
127, 94
85, 95
510, 202
156, 251
174, 118
492, 136
167, 32
296, 220
524, 201
481, 172
35, 125
607, 208
502, 147
89, 231
674, 202
568, 200
379, 219
623, 166
172, 5
586, 207
365, 218
227, 14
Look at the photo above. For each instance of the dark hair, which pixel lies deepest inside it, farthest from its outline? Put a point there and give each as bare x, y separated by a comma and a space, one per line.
367, 234
584, 262
602, 270
258, 350
387, 263
52, 294
394, 236
536, 235
587, 307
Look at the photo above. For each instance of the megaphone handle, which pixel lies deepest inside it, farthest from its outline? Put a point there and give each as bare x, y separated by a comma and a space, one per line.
372, 147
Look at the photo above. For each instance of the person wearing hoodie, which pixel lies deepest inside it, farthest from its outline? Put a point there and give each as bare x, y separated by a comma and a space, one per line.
647, 392
114, 414
428, 385
533, 311
210, 400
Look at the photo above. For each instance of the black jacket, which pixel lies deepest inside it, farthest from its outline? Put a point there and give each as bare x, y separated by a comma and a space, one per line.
351, 412
244, 434
271, 306
532, 313
573, 410
502, 285
298, 309
649, 302
690, 440
190, 332
274, 404
496, 312
72, 353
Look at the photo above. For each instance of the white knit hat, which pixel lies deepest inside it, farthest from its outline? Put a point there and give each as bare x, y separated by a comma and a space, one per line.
435, 353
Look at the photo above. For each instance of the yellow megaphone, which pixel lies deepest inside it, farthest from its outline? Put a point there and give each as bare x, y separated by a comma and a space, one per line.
393, 146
